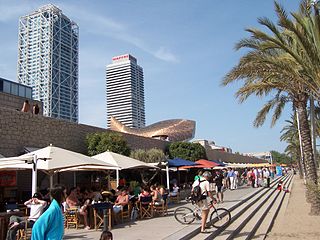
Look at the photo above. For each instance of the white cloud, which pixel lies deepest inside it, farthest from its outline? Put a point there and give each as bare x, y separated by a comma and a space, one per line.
94, 23
166, 55
10, 10
101, 25
94, 20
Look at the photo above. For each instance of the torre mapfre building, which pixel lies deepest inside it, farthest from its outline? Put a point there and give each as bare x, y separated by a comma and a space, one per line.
125, 91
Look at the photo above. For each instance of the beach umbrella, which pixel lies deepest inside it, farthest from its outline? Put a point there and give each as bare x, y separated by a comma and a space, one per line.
121, 161
51, 159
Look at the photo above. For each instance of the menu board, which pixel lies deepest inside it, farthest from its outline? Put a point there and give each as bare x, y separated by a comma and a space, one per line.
8, 178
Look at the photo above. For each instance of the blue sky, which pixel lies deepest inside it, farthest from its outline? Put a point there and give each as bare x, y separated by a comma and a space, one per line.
185, 49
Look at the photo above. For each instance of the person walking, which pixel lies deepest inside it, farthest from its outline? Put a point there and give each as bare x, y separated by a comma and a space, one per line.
203, 182
219, 186
256, 177
50, 225
266, 174
231, 176
253, 178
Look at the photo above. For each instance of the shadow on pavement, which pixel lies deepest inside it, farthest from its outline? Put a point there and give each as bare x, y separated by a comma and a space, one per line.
76, 237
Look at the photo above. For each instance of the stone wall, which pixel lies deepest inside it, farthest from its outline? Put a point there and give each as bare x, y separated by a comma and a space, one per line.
19, 130
231, 157
16, 102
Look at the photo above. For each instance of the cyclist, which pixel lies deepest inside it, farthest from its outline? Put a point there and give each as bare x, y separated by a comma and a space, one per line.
203, 203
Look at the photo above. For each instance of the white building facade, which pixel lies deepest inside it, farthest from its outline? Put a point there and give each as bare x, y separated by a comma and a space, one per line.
48, 59
211, 144
125, 91
262, 155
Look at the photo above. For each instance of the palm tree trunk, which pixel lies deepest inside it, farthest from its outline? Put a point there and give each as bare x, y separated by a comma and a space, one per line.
301, 159
311, 171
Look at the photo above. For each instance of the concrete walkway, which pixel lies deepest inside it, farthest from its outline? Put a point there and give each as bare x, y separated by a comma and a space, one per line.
294, 221
155, 228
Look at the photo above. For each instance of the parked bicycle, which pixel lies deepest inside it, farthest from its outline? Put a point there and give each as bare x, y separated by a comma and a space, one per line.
220, 217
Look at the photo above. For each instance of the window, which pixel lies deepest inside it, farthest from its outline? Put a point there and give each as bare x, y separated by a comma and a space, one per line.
14, 89
28, 93
6, 87
22, 91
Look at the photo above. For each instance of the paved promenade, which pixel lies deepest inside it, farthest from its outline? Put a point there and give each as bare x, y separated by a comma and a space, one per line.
294, 221
155, 228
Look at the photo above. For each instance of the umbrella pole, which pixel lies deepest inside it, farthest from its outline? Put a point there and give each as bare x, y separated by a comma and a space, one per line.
186, 176
108, 180
34, 174
74, 179
51, 180
168, 179
117, 177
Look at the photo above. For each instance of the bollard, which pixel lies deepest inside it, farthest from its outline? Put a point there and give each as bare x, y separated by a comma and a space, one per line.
105, 220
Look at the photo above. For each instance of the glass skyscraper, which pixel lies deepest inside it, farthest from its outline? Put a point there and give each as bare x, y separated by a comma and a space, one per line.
125, 91
48, 60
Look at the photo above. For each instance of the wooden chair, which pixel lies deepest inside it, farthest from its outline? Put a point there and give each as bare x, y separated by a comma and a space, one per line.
26, 232
71, 217
126, 212
175, 199
98, 214
160, 208
97, 218
165, 198
145, 207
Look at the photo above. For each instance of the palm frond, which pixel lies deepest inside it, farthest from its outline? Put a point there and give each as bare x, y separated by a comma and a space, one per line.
278, 109
262, 114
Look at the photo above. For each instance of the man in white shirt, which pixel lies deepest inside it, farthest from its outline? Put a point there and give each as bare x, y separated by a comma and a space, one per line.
266, 175
256, 177
36, 206
203, 203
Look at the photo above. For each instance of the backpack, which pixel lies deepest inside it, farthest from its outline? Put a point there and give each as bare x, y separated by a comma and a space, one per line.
196, 192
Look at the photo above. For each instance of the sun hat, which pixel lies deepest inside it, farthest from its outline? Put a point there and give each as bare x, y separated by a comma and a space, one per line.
206, 174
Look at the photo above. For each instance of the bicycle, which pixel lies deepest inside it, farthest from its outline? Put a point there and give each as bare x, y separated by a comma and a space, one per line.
219, 218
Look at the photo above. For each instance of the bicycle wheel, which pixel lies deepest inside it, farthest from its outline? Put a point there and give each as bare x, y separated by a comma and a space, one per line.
220, 217
184, 215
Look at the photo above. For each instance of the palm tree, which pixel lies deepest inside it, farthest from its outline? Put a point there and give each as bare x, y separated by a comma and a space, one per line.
291, 136
270, 72
278, 64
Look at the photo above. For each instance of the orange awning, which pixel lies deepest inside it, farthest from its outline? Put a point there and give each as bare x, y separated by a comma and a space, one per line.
207, 163
194, 166
202, 163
